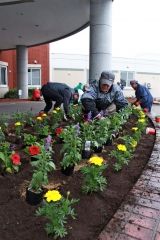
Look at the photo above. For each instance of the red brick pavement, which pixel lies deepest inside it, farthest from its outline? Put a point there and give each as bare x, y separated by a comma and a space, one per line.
139, 215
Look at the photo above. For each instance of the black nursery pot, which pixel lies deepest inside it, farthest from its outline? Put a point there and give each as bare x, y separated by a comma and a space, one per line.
42, 136
108, 142
115, 135
68, 171
98, 149
86, 154
33, 159
19, 140
33, 198
59, 140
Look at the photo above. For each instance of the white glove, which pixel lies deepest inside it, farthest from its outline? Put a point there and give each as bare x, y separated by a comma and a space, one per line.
65, 118
98, 116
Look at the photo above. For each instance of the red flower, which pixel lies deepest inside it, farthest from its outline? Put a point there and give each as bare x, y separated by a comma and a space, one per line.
34, 150
16, 159
58, 131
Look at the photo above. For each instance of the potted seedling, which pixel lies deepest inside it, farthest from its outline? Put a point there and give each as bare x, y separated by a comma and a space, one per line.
42, 166
71, 149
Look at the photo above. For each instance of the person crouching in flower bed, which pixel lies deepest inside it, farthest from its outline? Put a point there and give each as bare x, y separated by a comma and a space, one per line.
103, 97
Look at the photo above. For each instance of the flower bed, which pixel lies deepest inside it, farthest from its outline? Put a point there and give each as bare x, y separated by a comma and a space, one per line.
18, 219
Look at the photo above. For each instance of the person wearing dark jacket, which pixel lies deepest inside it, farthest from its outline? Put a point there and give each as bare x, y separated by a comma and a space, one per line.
104, 97
60, 93
143, 96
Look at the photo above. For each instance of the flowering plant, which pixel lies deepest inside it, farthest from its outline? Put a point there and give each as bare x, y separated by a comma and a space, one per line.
125, 113
130, 142
72, 146
34, 150
44, 118
18, 116
42, 166
87, 131
75, 112
18, 128
29, 118
56, 117
116, 122
93, 179
44, 131
56, 209
101, 133
58, 131
29, 139
10, 160
122, 156
134, 129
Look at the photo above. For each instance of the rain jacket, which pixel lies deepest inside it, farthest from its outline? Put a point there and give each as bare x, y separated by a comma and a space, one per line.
59, 92
144, 96
100, 100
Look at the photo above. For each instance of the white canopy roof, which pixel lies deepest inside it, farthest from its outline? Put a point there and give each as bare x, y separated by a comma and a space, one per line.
33, 22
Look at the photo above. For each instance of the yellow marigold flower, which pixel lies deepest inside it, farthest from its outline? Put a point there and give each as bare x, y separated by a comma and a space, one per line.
54, 111
142, 115
17, 124
44, 115
141, 120
57, 109
53, 195
39, 118
134, 129
96, 160
122, 147
141, 112
134, 143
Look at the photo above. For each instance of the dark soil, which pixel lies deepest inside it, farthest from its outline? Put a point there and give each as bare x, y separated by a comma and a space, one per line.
18, 220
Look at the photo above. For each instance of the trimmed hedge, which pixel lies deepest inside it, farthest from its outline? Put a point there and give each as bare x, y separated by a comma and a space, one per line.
13, 93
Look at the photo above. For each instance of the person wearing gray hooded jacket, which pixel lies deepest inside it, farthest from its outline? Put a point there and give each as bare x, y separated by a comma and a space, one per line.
103, 96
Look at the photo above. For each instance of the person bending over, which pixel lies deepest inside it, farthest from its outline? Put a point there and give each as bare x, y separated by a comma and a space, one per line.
60, 93
143, 96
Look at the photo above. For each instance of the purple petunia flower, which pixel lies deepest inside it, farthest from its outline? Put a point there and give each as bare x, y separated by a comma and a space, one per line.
77, 127
48, 142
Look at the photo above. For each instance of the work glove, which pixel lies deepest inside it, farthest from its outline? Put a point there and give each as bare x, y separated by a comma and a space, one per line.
145, 110
65, 118
98, 116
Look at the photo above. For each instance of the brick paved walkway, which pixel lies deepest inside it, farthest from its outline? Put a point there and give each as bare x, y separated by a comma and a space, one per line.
139, 215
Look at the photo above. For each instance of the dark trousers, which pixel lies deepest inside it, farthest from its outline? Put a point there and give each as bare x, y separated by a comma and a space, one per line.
49, 96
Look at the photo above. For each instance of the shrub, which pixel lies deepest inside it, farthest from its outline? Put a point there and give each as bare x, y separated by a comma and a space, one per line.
12, 93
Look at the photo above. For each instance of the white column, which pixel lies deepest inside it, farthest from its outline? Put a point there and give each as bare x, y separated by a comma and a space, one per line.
100, 38
22, 70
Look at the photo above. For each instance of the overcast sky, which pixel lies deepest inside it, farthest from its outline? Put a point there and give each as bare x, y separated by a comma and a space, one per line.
135, 31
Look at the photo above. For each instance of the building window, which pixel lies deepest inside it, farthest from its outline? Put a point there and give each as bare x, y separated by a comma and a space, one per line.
126, 77
34, 76
3, 75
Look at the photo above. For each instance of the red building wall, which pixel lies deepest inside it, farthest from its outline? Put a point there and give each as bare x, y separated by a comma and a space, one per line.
39, 53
